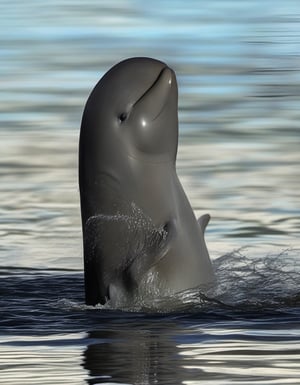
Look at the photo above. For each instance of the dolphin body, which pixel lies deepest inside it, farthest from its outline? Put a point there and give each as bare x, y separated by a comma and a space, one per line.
140, 235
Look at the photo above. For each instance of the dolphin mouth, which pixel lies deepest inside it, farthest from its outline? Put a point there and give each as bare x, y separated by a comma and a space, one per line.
154, 99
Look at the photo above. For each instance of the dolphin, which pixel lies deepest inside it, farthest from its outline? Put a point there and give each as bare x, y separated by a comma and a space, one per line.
140, 234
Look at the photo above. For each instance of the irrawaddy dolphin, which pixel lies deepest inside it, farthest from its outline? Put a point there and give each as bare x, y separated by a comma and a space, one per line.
140, 234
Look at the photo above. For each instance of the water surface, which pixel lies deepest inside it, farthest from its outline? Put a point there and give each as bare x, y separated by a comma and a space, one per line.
237, 65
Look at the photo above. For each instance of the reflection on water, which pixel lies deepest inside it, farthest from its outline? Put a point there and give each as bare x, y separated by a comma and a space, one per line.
251, 320
237, 65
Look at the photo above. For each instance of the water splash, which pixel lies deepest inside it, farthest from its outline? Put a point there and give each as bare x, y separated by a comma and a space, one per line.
265, 282
244, 283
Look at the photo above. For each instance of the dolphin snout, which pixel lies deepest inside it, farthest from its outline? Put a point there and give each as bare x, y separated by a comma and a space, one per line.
150, 105
166, 76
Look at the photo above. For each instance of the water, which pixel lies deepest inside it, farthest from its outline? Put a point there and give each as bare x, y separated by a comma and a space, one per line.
237, 65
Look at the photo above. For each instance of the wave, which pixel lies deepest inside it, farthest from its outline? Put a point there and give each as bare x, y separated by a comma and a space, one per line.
245, 286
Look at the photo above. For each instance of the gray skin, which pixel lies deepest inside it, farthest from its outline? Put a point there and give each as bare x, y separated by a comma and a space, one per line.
138, 226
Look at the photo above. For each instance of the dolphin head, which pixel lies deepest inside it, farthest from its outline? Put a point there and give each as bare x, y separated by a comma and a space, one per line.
133, 110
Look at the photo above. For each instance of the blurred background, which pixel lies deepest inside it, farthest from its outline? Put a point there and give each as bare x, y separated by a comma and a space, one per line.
238, 71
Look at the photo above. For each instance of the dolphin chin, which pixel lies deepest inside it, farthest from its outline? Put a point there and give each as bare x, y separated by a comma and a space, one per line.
140, 234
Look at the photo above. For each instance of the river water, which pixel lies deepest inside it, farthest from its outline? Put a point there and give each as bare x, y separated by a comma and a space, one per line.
237, 65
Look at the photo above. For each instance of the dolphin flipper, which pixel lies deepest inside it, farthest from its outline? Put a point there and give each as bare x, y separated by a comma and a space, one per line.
203, 222
118, 250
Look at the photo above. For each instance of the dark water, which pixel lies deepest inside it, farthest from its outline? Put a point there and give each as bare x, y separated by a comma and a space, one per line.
248, 332
238, 71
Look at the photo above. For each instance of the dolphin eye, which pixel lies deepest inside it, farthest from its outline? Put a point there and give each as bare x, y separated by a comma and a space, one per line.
122, 117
